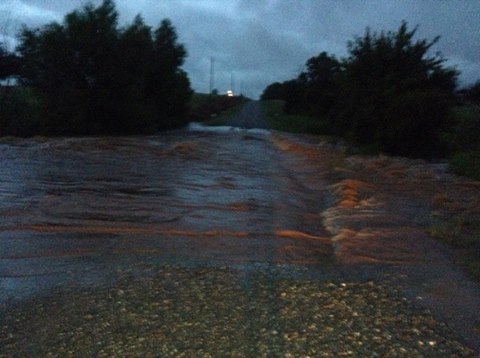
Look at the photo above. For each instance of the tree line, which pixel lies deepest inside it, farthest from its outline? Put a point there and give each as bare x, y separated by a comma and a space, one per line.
390, 94
87, 75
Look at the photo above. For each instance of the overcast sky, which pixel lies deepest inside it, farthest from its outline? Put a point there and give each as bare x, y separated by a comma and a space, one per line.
260, 42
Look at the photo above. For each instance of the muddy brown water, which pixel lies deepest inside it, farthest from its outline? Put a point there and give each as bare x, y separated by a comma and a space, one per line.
73, 211
73, 207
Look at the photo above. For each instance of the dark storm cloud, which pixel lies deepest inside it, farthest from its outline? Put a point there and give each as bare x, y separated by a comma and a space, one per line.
259, 42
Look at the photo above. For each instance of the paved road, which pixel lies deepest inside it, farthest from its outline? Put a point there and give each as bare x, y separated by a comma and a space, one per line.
72, 210
77, 211
250, 116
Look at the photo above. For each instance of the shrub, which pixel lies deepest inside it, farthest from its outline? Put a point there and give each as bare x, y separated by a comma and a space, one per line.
98, 78
389, 93
394, 94
19, 112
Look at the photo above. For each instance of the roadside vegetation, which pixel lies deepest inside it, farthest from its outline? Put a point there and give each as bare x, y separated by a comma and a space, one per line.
20, 109
214, 109
462, 232
458, 225
392, 95
277, 118
463, 137
87, 75
389, 95
224, 117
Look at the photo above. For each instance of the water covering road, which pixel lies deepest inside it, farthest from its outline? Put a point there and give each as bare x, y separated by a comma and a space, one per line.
75, 210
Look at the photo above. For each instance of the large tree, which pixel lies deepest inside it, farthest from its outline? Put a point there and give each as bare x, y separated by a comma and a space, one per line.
320, 82
95, 77
168, 82
8, 63
313, 92
395, 94
274, 90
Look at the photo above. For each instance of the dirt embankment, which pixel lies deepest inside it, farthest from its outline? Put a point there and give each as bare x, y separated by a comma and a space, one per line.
382, 212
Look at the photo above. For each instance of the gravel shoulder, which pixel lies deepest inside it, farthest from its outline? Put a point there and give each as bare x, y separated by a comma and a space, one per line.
217, 312
382, 212
274, 245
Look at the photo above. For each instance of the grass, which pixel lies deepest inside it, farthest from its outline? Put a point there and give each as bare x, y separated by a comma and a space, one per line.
462, 233
466, 164
19, 111
464, 141
293, 123
223, 118
214, 109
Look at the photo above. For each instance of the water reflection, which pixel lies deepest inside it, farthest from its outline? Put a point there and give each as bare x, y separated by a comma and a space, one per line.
192, 196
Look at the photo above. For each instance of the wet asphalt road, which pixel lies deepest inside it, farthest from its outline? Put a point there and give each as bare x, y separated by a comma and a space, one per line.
76, 211
250, 116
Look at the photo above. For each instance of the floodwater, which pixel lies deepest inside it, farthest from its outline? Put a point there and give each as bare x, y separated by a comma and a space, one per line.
75, 209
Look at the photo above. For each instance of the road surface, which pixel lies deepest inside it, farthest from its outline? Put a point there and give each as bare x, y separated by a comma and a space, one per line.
95, 228
250, 116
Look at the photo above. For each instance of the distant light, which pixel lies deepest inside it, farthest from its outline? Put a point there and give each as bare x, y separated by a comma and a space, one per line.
230, 93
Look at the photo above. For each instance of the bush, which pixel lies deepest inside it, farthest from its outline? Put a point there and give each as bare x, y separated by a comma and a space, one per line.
472, 93
395, 95
463, 141
466, 164
464, 134
389, 93
19, 112
313, 92
274, 91
97, 78
320, 82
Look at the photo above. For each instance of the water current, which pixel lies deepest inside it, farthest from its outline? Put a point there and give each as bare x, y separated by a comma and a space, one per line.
73, 209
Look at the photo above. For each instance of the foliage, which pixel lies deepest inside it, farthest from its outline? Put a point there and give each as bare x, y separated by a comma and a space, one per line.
205, 106
98, 78
294, 96
388, 93
23, 106
320, 84
462, 233
274, 91
465, 132
290, 92
394, 94
313, 92
466, 163
293, 123
462, 138
291, 89
472, 93
9, 65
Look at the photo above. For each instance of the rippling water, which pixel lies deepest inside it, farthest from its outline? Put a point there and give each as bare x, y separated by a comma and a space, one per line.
73, 208
75, 211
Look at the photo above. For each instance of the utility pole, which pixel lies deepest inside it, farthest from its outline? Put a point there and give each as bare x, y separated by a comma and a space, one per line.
212, 61
232, 84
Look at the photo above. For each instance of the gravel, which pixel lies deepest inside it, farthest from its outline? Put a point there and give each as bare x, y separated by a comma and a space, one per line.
221, 312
